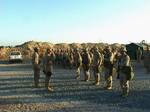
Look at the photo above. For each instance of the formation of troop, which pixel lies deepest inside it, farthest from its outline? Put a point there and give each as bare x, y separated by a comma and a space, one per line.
92, 61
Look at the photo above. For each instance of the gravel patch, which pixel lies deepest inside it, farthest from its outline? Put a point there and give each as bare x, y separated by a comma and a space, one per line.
17, 93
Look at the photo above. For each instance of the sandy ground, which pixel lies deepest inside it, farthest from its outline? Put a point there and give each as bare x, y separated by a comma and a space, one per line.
17, 93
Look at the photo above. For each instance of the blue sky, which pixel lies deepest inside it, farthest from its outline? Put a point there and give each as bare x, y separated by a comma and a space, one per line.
58, 21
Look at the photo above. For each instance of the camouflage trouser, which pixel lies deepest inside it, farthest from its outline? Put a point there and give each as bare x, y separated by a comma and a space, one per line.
47, 79
108, 78
124, 83
70, 64
96, 72
78, 67
86, 70
36, 74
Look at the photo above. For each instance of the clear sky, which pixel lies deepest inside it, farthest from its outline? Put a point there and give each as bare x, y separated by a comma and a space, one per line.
70, 21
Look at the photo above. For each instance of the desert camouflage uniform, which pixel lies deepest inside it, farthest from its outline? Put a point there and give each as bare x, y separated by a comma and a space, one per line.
70, 59
48, 67
124, 82
86, 62
78, 62
97, 61
108, 66
36, 66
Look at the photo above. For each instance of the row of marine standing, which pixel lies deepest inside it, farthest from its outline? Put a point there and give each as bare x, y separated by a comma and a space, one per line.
87, 60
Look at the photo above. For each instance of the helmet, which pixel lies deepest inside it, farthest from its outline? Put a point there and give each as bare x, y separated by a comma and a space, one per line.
36, 49
48, 49
85, 50
108, 48
95, 48
123, 49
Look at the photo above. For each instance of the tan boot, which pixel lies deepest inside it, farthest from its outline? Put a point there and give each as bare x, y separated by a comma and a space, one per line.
97, 79
78, 75
97, 83
50, 89
109, 88
87, 76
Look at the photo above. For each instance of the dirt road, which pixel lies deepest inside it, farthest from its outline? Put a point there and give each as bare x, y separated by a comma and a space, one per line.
17, 93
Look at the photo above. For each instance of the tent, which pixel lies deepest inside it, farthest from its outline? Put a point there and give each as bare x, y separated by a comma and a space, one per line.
132, 49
